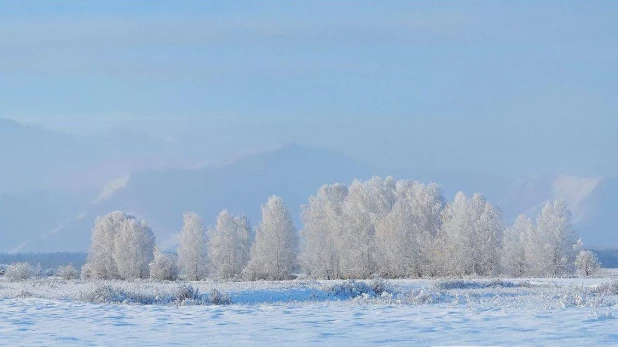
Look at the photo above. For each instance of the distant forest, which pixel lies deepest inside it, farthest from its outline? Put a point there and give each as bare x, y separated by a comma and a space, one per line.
46, 260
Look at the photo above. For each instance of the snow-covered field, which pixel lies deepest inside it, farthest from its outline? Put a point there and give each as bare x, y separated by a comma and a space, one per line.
560, 312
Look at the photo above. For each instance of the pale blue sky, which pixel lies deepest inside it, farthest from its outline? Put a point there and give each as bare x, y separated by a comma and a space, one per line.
500, 87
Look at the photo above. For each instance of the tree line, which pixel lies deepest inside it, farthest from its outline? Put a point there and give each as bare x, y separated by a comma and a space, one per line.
378, 227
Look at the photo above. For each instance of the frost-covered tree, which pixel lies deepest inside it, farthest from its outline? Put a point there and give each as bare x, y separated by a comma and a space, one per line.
134, 244
489, 233
164, 266
192, 250
101, 263
229, 245
321, 235
273, 254
587, 263
405, 236
366, 205
470, 237
555, 243
515, 255
456, 249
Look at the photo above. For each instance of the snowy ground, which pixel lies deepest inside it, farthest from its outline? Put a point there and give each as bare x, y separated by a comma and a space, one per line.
564, 312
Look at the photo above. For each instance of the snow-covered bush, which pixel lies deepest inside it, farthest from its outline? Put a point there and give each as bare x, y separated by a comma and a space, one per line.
163, 267
105, 293
186, 293
587, 263
379, 286
68, 272
349, 289
607, 288
217, 298
476, 284
425, 296
19, 272
141, 294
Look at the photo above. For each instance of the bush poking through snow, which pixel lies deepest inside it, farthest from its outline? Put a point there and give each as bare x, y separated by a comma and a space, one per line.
217, 298
19, 272
349, 289
68, 272
607, 288
464, 284
425, 297
117, 293
379, 286
187, 293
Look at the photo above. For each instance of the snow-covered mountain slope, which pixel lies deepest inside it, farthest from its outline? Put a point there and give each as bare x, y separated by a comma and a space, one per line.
38, 159
292, 171
241, 185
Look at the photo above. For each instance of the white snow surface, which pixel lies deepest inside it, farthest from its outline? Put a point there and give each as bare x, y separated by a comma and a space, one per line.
545, 312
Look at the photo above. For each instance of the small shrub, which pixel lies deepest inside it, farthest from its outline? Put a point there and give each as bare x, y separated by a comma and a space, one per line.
99, 294
186, 293
24, 294
608, 288
464, 284
379, 286
68, 272
424, 297
349, 289
217, 298
19, 272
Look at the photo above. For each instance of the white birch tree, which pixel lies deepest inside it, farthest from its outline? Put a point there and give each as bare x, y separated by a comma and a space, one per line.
273, 253
515, 255
229, 245
587, 263
405, 236
555, 242
133, 250
192, 250
100, 263
322, 232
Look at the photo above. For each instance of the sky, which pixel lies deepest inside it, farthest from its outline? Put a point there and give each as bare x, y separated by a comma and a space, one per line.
503, 87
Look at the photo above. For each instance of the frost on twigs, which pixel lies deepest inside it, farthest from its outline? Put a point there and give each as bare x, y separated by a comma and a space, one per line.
464, 284
352, 289
183, 294
19, 272
68, 272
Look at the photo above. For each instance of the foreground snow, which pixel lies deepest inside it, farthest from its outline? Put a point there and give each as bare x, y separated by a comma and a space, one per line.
562, 312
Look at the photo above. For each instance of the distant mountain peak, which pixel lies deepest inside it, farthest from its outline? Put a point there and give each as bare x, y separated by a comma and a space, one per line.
9, 123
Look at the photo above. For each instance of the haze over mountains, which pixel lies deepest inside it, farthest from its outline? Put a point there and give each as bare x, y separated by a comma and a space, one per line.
53, 185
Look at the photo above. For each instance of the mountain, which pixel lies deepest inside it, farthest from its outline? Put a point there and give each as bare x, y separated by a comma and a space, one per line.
161, 196
593, 202
29, 215
47, 202
37, 159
